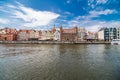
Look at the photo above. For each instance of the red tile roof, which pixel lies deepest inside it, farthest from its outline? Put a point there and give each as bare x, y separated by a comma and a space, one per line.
91, 33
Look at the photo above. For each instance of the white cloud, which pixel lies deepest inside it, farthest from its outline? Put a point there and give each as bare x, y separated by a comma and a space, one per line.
94, 13
93, 25
68, 1
34, 18
101, 1
90, 25
11, 6
94, 3
91, 3
4, 21
29, 17
104, 12
67, 13
93, 28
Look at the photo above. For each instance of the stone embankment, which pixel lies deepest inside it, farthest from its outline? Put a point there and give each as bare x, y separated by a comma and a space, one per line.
52, 42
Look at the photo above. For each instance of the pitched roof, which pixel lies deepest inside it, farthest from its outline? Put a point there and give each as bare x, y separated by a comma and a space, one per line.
90, 33
73, 30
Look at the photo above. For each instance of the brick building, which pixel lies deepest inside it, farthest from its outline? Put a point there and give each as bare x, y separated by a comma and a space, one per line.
69, 34
8, 34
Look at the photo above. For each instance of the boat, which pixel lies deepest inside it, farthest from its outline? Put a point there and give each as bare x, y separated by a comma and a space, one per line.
115, 41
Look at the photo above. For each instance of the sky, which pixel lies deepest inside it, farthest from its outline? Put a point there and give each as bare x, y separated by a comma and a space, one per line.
44, 14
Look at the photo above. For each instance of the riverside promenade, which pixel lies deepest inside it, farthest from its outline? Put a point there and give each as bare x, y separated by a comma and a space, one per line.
53, 42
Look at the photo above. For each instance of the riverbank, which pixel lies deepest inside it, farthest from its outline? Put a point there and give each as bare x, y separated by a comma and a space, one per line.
52, 42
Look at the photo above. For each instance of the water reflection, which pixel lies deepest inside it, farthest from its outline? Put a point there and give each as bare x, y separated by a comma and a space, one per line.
59, 62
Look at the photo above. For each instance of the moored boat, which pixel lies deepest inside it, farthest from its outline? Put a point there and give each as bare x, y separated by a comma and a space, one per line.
115, 41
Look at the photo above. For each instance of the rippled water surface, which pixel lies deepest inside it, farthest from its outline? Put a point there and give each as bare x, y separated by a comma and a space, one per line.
59, 62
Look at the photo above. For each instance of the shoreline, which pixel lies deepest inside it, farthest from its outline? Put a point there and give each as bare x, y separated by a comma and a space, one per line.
52, 42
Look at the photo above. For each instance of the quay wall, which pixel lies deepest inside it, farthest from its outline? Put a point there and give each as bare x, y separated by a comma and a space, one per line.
52, 42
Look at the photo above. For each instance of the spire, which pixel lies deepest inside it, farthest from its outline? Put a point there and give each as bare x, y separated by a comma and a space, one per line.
53, 29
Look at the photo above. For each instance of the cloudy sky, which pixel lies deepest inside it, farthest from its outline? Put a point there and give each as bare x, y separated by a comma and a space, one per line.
44, 14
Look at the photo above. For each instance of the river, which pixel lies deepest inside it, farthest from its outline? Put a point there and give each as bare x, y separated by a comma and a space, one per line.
59, 62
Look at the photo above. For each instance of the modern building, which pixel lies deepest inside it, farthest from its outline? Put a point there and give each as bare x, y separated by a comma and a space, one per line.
110, 33
70, 35
118, 33
101, 34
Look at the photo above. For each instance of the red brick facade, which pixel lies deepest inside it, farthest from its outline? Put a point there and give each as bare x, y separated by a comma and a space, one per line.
68, 34
9, 35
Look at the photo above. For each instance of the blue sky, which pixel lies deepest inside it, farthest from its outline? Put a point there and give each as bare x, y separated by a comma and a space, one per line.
44, 14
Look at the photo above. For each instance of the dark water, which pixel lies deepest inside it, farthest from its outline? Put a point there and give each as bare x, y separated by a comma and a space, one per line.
59, 62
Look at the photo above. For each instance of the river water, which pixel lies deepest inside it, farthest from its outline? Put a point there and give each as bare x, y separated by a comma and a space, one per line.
59, 62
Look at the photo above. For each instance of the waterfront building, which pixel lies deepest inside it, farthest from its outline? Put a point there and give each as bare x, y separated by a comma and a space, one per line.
10, 31
70, 35
57, 35
40, 35
44, 35
82, 32
7, 37
50, 35
90, 36
2, 31
8, 34
110, 33
23, 35
47, 35
34, 35
101, 34
106, 34
96, 36
118, 33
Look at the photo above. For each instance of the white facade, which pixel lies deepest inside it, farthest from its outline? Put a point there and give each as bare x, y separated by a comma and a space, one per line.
81, 34
22, 36
34, 34
57, 35
118, 33
44, 37
101, 35
47, 35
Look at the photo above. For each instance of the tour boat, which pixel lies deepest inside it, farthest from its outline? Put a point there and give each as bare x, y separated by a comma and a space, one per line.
115, 41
